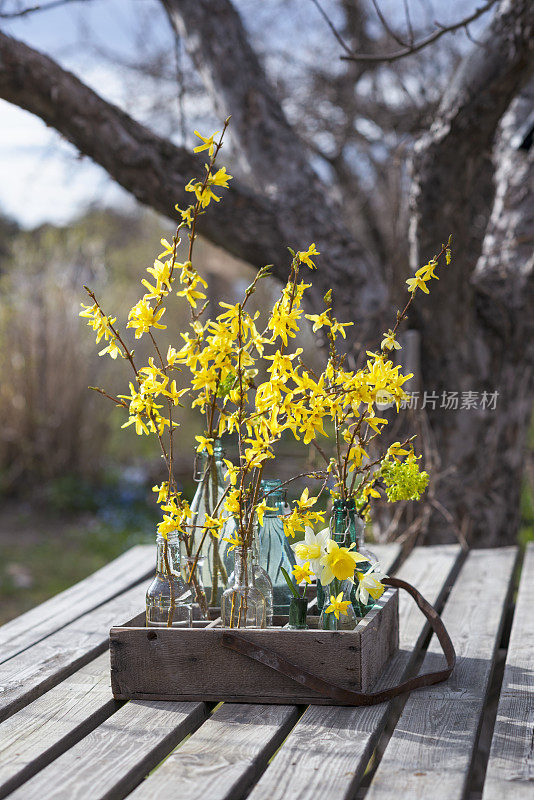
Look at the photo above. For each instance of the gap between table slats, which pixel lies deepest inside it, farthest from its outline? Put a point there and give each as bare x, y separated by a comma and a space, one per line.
230, 751
510, 771
42, 730
430, 751
113, 579
111, 760
327, 752
31, 673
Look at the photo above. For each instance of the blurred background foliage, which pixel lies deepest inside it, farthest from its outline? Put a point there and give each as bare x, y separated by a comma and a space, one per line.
75, 488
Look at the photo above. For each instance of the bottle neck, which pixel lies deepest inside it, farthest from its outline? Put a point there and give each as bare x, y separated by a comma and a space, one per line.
347, 524
275, 495
204, 457
243, 571
168, 555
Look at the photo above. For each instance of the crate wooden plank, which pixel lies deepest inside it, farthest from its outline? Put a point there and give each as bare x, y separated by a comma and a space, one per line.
31, 673
192, 664
113, 579
224, 757
344, 738
510, 771
42, 730
116, 756
430, 752
203, 767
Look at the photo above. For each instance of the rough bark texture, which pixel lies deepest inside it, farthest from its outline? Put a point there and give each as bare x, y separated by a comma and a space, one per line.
481, 337
273, 157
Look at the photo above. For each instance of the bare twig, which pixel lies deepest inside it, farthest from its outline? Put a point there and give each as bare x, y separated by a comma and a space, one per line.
416, 47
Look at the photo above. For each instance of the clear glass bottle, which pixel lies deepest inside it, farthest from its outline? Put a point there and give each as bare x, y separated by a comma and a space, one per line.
328, 620
274, 548
356, 536
198, 594
261, 579
210, 489
168, 598
243, 605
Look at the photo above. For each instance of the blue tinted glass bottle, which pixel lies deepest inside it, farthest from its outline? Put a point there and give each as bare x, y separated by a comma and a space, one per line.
274, 549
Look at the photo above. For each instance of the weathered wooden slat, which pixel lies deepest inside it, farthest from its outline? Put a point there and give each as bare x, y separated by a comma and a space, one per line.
430, 752
326, 753
110, 761
38, 733
113, 579
510, 771
223, 758
29, 674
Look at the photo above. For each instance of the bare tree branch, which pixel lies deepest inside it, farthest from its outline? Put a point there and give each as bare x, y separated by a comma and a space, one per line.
416, 47
273, 155
24, 12
151, 168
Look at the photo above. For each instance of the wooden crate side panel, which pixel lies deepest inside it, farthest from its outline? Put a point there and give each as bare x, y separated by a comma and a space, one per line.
380, 639
193, 663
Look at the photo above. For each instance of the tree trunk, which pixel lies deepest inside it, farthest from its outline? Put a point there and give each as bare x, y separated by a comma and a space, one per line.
477, 330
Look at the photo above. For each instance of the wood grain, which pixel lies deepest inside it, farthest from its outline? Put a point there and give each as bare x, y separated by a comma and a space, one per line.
510, 771
29, 674
429, 754
224, 757
327, 752
116, 756
170, 664
108, 582
40, 732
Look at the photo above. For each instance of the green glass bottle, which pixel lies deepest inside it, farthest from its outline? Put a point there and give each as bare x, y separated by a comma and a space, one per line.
274, 549
356, 536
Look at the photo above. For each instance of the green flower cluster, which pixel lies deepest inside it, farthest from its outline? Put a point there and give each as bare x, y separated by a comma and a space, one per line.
403, 479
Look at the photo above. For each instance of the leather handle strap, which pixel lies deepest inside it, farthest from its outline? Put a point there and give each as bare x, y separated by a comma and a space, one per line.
338, 693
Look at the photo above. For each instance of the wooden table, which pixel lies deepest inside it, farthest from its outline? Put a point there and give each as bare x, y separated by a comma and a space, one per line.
63, 736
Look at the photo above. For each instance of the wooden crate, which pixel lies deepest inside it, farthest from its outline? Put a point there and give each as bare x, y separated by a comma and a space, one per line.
191, 663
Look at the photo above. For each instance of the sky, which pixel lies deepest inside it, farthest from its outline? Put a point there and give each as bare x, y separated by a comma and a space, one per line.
42, 177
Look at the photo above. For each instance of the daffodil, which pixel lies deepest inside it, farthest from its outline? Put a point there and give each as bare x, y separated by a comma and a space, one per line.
303, 573
369, 583
312, 549
339, 562
337, 605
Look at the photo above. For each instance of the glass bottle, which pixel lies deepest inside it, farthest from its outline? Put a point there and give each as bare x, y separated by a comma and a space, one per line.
328, 620
168, 598
274, 548
261, 578
339, 534
356, 536
243, 605
198, 594
210, 489
298, 610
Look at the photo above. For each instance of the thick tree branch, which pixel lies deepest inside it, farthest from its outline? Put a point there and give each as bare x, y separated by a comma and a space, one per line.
477, 334
151, 168
453, 188
274, 157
